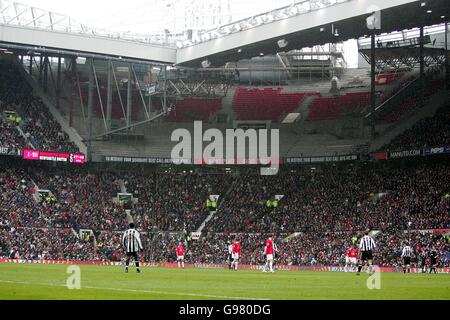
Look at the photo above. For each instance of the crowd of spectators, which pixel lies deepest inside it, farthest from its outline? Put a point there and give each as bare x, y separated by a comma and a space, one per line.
83, 200
317, 249
307, 249
412, 97
39, 127
430, 132
335, 199
44, 244
320, 211
174, 201
10, 136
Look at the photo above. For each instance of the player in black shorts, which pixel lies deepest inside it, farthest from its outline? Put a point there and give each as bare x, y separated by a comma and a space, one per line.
423, 261
433, 260
131, 241
407, 254
366, 247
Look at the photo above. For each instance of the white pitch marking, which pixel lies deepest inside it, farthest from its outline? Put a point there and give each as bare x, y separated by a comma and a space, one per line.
137, 290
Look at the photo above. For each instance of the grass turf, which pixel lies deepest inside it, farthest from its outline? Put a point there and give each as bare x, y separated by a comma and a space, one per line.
36, 281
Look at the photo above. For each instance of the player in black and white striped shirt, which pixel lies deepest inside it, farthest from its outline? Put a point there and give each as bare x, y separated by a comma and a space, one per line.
407, 254
366, 247
131, 240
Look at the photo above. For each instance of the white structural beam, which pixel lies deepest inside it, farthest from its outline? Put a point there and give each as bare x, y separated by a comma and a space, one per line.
86, 43
278, 29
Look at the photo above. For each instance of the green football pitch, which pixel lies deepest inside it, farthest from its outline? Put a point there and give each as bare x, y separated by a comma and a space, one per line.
37, 281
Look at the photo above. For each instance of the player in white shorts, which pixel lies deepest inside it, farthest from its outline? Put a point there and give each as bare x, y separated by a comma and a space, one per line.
351, 258
180, 255
236, 250
269, 251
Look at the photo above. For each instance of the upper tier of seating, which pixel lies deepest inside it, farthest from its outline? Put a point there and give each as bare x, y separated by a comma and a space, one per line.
428, 132
40, 128
191, 109
266, 103
332, 107
410, 100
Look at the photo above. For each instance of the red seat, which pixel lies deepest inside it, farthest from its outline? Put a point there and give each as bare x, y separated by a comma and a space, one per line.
333, 107
265, 104
191, 109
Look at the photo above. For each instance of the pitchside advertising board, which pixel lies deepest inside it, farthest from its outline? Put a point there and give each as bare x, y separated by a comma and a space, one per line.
420, 152
406, 153
237, 161
439, 150
322, 159
411, 153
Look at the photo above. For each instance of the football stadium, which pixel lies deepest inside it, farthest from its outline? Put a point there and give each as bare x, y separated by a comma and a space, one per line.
224, 150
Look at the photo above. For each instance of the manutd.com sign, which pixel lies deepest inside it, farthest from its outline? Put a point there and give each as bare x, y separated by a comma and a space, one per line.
406, 153
417, 152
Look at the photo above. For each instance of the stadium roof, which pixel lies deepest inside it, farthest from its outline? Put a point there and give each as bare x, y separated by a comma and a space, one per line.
302, 24
409, 14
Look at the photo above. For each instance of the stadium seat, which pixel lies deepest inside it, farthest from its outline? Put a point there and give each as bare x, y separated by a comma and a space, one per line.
265, 104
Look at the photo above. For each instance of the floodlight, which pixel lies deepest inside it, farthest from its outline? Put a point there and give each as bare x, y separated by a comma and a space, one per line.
206, 63
282, 43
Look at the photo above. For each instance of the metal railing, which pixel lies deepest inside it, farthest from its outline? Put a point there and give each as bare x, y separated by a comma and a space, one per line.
402, 36
17, 14
14, 13
295, 9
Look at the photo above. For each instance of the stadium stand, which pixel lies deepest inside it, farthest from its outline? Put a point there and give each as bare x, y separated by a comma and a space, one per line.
429, 132
43, 244
11, 137
387, 78
410, 99
339, 200
191, 109
38, 125
321, 211
174, 201
265, 104
330, 108
116, 107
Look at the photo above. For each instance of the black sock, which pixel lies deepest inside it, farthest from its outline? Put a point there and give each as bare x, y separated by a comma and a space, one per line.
404, 270
359, 268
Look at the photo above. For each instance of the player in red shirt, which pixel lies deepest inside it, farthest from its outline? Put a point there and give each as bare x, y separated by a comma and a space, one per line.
351, 257
236, 252
180, 255
269, 252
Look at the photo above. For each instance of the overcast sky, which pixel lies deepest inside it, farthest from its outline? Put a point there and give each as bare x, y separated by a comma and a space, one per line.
146, 16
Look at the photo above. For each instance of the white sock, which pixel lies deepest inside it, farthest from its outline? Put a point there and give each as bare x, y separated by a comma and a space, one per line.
182, 264
271, 266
